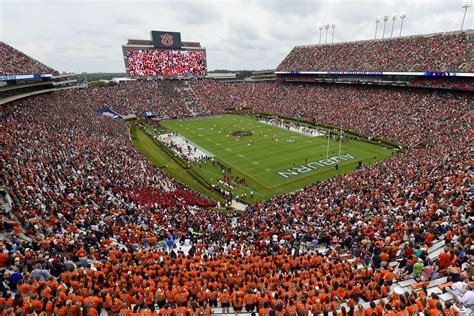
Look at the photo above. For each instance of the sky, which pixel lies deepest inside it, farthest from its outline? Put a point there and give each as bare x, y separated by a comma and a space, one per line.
86, 36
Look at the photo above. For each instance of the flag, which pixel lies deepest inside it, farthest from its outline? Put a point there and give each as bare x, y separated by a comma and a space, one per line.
110, 113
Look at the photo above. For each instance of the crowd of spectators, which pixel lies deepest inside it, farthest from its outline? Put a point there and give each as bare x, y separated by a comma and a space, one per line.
15, 62
444, 83
168, 63
441, 82
161, 198
443, 52
398, 114
162, 97
95, 227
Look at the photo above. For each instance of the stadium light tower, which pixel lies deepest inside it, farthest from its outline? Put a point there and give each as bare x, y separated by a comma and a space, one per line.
385, 19
327, 28
394, 17
321, 28
465, 4
377, 20
333, 26
402, 16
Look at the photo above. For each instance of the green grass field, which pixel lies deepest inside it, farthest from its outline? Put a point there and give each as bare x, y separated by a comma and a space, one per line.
272, 160
152, 152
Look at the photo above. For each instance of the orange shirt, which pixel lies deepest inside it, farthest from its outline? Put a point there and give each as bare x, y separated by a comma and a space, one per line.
368, 311
37, 304
166, 312
92, 312
444, 259
412, 309
60, 311
138, 299
49, 307
81, 252
450, 312
224, 298
3, 258
72, 310
435, 312
125, 312
195, 312
302, 309
250, 299
107, 302
207, 310
237, 302
212, 295
92, 301
181, 311
116, 304
291, 310
403, 313
24, 288
432, 303
149, 298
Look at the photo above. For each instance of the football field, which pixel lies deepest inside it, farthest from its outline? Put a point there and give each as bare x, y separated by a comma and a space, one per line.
271, 159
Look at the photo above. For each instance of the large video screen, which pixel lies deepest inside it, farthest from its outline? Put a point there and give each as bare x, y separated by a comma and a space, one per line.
170, 63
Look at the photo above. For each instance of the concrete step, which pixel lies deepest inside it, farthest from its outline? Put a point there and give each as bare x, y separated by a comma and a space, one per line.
434, 254
435, 290
437, 282
436, 246
218, 311
446, 297
406, 283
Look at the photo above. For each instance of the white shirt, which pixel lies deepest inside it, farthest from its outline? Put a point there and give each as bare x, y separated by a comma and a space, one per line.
468, 298
459, 288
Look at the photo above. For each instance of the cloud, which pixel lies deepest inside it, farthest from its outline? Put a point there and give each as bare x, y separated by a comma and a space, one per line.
195, 13
299, 8
127, 20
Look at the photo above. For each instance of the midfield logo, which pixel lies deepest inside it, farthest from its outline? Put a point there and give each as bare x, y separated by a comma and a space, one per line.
310, 166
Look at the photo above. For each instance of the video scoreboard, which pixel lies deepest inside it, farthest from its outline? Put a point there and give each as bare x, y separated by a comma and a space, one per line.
164, 56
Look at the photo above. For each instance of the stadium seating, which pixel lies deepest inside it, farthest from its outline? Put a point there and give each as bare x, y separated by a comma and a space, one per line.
398, 114
445, 52
15, 62
93, 227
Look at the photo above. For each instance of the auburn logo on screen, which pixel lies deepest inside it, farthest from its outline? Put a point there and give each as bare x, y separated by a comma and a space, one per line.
167, 39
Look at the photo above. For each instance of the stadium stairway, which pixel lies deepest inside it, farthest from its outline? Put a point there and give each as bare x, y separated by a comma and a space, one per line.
192, 101
436, 249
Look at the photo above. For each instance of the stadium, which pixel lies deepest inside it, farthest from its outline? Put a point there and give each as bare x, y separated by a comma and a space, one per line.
339, 183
